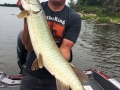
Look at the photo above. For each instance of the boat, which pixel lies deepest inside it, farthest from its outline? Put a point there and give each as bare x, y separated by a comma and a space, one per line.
97, 81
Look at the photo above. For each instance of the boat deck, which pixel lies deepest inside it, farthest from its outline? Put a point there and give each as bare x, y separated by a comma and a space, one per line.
97, 81
92, 84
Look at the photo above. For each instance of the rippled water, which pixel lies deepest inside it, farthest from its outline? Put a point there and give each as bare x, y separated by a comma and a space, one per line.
10, 26
98, 46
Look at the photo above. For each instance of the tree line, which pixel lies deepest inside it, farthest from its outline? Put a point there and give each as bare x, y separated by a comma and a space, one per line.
8, 5
108, 6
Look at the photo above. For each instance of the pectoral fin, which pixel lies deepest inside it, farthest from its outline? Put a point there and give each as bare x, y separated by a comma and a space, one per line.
80, 74
35, 65
38, 63
23, 14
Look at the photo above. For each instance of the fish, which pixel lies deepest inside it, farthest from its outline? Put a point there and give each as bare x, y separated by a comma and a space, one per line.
47, 52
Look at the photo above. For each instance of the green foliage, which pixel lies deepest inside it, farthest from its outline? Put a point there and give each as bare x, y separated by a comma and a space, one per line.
104, 20
78, 6
111, 6
92, 2
71, 4
93, 9
86, 17
104, 11
82, 4
88, 13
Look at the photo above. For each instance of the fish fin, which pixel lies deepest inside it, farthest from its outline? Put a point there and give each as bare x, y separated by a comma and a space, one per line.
61, 86
35, 65
38, 63
23, 14
80, 74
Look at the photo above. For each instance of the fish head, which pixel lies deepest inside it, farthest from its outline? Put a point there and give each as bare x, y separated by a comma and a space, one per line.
31, 5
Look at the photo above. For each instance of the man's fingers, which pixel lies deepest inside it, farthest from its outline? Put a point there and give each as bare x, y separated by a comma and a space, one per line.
19, 5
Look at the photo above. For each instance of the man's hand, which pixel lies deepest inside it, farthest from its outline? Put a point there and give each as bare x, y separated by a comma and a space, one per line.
19, 5
66, 47
25, 35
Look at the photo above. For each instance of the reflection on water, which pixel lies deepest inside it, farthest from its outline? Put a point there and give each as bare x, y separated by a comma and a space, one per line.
102, 43
10, 26
98, 46
106, 49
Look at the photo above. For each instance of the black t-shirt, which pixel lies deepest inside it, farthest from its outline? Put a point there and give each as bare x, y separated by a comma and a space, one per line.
63, 24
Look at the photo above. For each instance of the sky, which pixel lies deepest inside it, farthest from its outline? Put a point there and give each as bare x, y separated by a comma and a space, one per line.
14, 1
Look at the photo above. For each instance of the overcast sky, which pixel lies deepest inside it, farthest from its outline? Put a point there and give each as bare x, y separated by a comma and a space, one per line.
14, 1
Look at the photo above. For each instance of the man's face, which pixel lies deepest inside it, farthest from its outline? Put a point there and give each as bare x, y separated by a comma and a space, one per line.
57, 2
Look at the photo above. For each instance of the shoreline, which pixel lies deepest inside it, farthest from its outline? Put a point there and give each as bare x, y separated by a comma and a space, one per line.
102, 20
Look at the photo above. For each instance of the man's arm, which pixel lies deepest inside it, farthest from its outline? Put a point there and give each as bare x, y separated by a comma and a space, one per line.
71, 35
65, 48
19, 5
25, 35
26, 38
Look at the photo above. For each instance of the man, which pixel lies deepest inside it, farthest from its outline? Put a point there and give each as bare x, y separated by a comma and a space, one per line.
21, 53
65, 25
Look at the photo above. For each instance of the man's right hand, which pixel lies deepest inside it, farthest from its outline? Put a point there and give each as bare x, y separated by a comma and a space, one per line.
19, 5
25, 35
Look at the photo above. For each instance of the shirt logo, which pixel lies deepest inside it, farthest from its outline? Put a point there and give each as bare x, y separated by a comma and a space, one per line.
56, 19
57, 27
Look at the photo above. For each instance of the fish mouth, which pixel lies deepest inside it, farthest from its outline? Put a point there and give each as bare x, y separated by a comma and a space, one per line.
28, 2
31, 5
25, 4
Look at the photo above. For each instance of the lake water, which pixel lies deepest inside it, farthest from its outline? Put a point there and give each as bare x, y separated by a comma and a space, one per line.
98, 46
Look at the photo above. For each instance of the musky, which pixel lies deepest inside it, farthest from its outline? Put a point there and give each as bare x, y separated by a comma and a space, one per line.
14, 1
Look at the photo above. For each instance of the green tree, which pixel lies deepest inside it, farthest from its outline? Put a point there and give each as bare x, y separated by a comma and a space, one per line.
71, 4
77, 6
92, 2
112, 6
